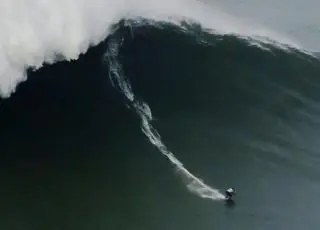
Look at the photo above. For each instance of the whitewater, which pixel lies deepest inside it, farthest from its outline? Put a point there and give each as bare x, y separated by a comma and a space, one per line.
35, 32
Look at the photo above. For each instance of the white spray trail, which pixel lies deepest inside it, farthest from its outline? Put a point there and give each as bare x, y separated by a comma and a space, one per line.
118, 78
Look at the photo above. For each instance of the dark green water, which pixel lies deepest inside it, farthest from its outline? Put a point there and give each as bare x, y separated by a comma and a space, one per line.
74, 157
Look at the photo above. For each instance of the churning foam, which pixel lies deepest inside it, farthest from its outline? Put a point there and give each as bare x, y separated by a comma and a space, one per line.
36, 31
119, 80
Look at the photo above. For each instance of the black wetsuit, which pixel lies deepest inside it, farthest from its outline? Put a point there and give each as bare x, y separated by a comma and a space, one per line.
229, 194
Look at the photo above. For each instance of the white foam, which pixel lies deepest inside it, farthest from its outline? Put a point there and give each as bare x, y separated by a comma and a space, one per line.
35, 31
194, 184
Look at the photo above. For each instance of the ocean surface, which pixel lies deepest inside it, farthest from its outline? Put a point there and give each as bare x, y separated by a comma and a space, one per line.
137, 115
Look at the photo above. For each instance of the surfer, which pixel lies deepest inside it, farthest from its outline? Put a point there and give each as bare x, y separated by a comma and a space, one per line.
229, 193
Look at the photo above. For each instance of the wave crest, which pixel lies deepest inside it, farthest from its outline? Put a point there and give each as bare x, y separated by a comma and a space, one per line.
37, 32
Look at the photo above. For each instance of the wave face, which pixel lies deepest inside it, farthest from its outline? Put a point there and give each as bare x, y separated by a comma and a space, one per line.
259, 102
239, 89
236, 108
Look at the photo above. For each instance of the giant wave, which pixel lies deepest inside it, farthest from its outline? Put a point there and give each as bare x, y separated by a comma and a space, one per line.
46, 37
